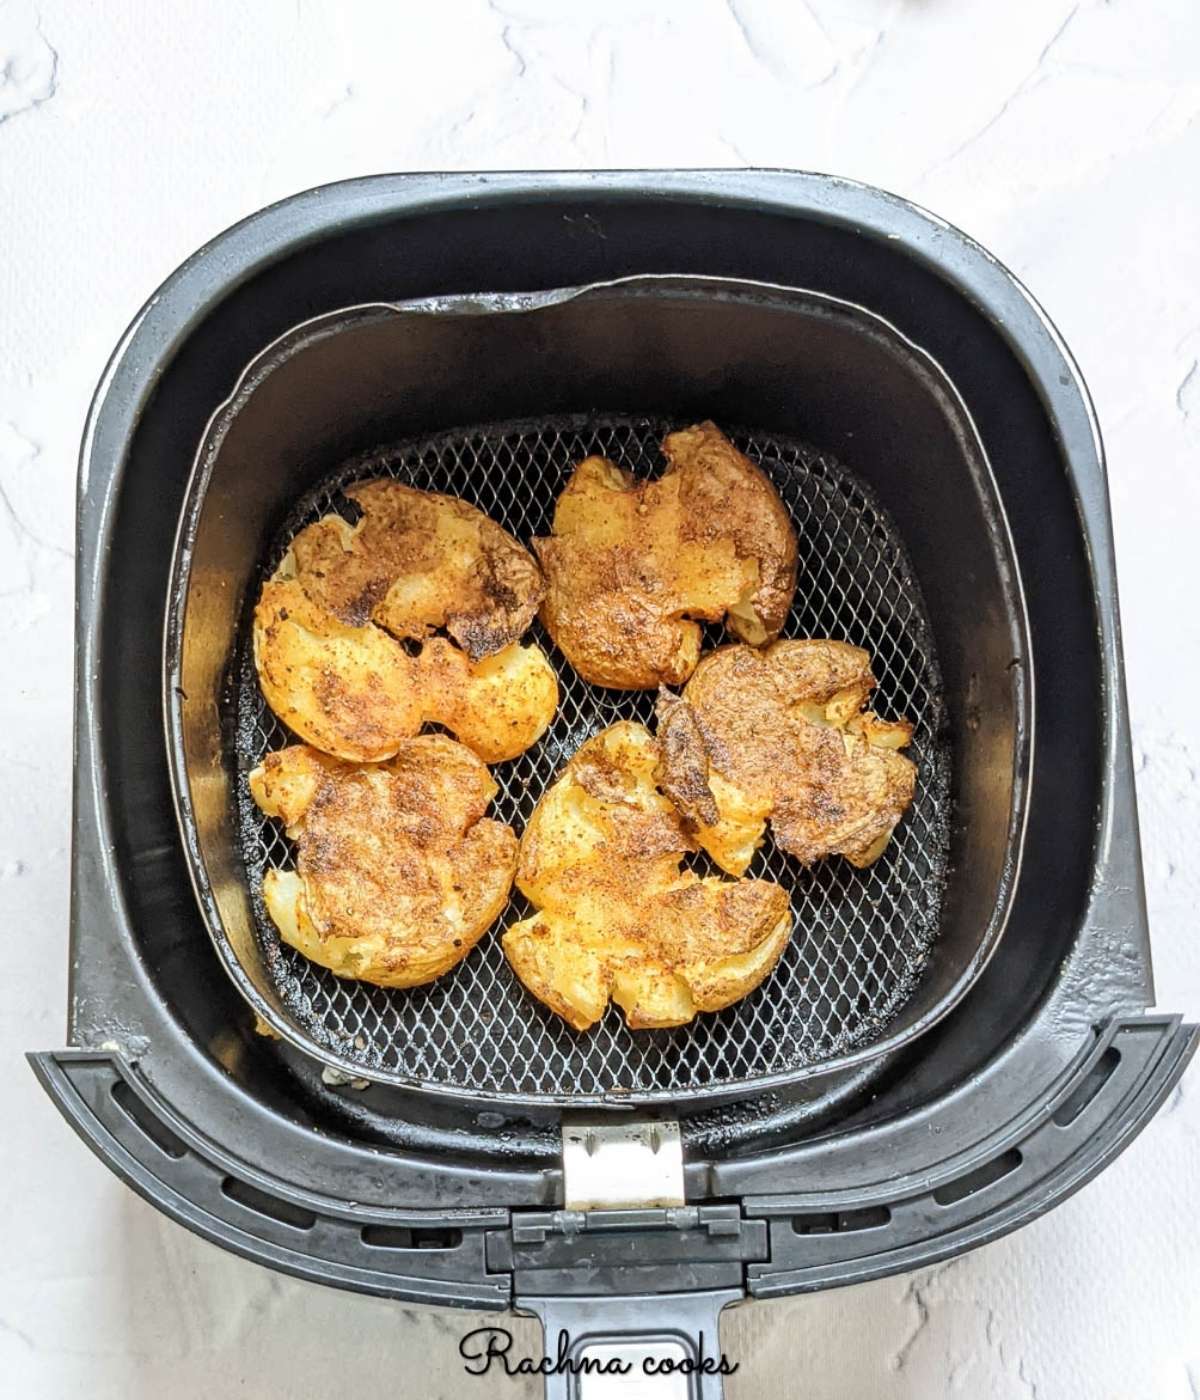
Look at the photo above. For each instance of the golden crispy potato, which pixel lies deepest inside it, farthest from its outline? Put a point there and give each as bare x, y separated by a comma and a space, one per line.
617, 917
350, 691
630, 564
356, 693
398, 873
782, 735
497, 706
416, 561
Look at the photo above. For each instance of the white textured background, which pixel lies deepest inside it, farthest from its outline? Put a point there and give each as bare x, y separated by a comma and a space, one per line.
1065, 136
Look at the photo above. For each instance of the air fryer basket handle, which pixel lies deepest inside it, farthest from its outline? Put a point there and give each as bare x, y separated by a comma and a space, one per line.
465, 1257
647, 1332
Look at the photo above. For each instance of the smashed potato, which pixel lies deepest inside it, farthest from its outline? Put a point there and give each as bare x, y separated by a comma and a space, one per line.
342, 632
415, 562
783, 735
617, 916
356, 693
633, 566
398, 872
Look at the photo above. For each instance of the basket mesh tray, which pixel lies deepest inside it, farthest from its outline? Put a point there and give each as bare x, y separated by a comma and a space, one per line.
861, 938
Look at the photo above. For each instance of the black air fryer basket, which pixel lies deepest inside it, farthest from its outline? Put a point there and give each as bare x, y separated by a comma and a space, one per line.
878, 955
956, 1037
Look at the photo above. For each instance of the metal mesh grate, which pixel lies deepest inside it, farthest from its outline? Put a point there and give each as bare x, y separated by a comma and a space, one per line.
862, 938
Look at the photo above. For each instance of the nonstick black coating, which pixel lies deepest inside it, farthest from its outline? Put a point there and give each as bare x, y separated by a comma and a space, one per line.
851, 984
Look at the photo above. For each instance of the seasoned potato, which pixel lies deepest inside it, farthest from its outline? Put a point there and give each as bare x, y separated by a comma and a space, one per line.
416, 561
350, 691
782, 735
630, 565
356, 693
497, 706
617, 916
398, 872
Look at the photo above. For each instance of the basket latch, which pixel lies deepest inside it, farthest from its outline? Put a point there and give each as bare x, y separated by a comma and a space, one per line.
652, 1250
615, 1163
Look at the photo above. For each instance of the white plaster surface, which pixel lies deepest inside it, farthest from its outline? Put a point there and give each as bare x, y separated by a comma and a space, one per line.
1064, 134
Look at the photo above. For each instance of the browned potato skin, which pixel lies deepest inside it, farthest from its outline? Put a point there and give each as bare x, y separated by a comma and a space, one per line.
783, 735
355, 693
398, 872
617, 916
417, 561
631, 566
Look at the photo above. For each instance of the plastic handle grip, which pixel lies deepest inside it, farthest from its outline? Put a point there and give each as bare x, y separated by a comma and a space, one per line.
669, 1343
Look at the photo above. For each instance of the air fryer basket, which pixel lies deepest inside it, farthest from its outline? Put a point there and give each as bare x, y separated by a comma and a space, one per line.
877, 955
1045, 1070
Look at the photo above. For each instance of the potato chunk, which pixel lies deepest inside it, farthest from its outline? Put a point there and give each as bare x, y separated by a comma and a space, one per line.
356, 693
617, 916
783, 735
398, 872
633, 566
